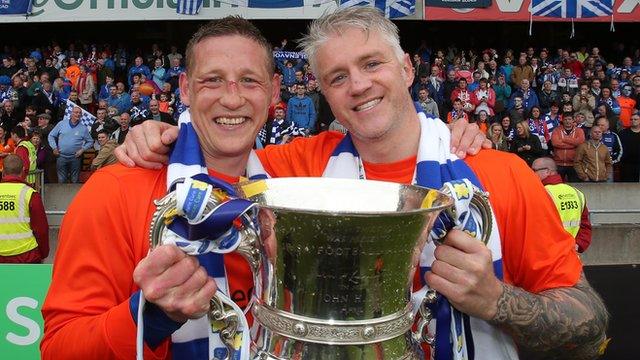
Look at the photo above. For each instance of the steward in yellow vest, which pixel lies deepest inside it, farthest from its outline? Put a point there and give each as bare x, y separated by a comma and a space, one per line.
26, 151
24, 230
569, 201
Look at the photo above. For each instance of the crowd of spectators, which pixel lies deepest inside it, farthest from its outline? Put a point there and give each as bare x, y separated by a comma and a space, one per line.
572, 104
567, 103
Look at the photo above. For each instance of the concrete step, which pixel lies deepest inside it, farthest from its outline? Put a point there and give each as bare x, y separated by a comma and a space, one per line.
57, 198
614, 244
603, 198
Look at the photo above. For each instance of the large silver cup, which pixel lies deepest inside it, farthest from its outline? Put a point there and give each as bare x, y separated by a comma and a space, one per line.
333, 263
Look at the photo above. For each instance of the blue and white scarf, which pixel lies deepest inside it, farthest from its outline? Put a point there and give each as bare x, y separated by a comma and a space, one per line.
458, 336
207, 235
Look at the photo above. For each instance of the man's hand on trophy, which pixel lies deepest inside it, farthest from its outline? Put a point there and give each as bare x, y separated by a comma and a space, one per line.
463, 273
175, 282
147, 145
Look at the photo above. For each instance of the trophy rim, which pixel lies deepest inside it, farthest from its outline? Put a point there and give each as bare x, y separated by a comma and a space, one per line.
447, 199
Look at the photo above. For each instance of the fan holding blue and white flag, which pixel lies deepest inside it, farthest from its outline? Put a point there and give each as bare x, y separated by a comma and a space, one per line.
87, 119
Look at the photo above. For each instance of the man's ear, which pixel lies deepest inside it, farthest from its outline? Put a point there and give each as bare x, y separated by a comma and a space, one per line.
408, 70
275, 90
184, 88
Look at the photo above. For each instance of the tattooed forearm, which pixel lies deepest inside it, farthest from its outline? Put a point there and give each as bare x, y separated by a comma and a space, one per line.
561, 323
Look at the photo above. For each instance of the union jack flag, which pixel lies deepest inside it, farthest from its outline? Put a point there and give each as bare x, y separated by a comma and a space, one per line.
572, 9
86, 118
392, 8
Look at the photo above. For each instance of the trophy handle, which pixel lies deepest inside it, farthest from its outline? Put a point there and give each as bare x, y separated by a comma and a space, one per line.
459, 191
479, 201
222, 316
422, 334
229, 322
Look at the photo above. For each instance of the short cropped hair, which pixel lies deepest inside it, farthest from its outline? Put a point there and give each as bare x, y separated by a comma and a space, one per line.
19, 131
227, 26
12, 165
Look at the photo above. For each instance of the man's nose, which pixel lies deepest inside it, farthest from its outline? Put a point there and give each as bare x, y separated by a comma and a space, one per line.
232, 98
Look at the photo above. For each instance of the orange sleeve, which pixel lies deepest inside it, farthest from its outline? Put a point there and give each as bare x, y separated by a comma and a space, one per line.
102, 238
301, 157
537, 253
449, 117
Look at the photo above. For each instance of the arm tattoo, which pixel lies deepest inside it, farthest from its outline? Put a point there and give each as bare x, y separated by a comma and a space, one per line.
560, 323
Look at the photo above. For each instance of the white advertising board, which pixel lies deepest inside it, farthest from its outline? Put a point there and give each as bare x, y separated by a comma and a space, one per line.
138, 10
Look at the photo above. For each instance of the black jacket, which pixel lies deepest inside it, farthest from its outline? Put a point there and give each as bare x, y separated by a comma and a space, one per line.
527, 155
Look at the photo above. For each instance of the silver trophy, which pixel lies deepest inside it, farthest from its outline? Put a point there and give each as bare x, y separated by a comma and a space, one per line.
333, 263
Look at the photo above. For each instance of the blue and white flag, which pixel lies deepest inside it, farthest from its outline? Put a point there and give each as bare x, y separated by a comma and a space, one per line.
392, 8
86, 118
572, 9
189, 7
15, 7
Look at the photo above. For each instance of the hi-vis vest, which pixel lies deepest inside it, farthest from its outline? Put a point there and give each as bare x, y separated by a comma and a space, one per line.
16, 236
570, 204
31, 179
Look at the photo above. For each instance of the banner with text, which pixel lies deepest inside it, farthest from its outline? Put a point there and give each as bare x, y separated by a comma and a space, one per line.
518, 10
22, 293
142, 10
289, 55
15, 7
458, 4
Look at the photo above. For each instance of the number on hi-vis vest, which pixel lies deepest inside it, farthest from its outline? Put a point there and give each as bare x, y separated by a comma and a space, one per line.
569, 205
32, 328
7, 205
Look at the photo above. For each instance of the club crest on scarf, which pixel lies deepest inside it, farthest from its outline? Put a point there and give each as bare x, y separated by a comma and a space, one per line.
460, 216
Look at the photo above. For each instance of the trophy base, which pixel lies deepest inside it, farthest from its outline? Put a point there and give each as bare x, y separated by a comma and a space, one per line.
271, 346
